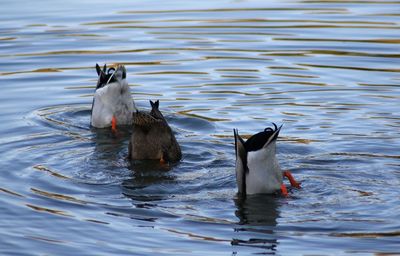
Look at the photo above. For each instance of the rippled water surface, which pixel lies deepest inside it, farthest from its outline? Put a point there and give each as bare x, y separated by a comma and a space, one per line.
328, 70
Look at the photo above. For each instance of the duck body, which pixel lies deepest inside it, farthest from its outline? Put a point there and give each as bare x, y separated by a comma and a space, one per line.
265, 176
152, 138
112, 101
257, 168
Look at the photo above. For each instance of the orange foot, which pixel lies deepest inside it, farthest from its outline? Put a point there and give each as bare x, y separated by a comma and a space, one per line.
162, 161
114, 124
284, 190
293, 182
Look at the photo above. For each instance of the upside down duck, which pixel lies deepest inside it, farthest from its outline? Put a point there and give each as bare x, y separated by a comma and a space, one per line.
152, 137
257, 168
112, 102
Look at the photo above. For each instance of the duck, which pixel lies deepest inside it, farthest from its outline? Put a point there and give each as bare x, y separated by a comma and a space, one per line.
112, 102
152, 138
257, 168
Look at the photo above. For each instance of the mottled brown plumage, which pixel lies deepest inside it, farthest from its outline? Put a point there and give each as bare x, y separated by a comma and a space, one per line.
152, 138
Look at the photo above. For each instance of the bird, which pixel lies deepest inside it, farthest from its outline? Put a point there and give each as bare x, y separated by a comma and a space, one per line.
152, 137
112, 102
257, 168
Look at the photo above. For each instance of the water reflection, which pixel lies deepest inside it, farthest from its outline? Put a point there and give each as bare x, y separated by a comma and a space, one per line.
257, 219
151, 181
108, 144
257, 210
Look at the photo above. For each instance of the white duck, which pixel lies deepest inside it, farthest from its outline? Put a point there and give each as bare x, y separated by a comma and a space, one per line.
112, 101
257, 168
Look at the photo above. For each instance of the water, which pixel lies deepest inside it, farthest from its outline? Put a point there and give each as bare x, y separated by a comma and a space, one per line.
328, 70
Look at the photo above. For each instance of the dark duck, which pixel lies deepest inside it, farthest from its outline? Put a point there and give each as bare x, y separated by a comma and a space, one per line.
152, 137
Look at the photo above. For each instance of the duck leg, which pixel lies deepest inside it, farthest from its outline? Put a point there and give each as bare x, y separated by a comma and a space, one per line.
164, 163
114, 124
162, 160
293, 182
284, 190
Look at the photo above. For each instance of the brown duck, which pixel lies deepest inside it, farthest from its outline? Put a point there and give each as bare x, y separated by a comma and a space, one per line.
152, 138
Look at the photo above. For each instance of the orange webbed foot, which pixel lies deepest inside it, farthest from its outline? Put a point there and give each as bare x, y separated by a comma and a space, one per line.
114, 124
162, 161
293, 182
284, 190
164, 164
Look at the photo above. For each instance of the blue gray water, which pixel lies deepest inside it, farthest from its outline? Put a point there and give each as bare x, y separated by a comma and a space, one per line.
328, 70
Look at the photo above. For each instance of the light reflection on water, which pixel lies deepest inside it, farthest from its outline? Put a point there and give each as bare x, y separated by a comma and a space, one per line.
327, 70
